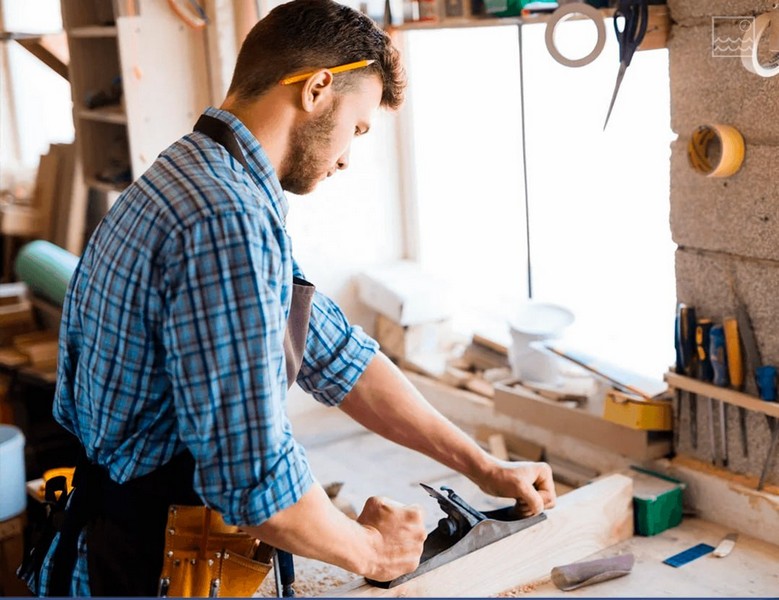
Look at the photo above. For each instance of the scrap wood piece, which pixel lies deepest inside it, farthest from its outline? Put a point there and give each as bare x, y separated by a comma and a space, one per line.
344, 505
517, 446
497, 445
585, 521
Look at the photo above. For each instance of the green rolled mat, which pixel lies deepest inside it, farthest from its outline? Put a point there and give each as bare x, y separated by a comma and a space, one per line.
46, 269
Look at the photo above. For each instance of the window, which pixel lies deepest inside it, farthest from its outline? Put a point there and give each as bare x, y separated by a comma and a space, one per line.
597, 203
35, 103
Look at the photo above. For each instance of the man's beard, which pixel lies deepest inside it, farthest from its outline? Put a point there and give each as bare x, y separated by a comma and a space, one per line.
303, 166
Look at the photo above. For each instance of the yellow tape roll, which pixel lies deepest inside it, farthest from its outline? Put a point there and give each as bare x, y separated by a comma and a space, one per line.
716, 150
564, 12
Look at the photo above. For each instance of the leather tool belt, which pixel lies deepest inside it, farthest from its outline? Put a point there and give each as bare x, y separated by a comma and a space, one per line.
204, 557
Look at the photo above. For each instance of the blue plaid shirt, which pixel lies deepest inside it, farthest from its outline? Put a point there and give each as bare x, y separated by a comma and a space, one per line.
173, 328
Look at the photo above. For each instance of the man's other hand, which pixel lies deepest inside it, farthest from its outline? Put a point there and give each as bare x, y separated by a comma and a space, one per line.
398, 535
530, 483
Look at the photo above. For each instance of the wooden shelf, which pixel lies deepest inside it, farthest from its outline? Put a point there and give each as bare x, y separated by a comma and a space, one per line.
461, 22
658, 27
106, 114
722, 394
93, 31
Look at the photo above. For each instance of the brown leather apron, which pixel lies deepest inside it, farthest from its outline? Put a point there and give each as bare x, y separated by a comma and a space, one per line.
126, 523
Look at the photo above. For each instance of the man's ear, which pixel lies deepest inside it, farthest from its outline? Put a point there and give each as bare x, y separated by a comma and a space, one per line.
317, 90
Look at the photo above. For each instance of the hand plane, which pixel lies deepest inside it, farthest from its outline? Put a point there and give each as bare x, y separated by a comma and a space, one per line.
462, 531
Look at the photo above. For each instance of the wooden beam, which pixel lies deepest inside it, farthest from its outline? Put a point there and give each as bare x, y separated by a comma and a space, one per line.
585, 521
51, 49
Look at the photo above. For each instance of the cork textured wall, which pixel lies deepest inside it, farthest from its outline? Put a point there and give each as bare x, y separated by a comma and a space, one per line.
726, 229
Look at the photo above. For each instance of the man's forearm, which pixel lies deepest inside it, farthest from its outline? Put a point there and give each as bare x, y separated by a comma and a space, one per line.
384, 542
384, 401
314, 528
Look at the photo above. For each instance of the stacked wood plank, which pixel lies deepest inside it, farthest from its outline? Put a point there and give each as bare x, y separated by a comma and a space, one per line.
57, 209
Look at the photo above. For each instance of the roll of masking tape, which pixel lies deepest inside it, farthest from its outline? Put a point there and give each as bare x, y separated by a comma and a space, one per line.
716, 150
751, 61
564, 12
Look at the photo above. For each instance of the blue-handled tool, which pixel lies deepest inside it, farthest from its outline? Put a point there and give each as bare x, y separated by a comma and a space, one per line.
718, 355
634, 17
703, 342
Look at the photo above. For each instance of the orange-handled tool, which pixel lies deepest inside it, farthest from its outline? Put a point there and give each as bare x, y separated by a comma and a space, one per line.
733, 350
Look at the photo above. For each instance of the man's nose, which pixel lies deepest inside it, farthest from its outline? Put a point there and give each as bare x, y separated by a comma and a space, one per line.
343, 162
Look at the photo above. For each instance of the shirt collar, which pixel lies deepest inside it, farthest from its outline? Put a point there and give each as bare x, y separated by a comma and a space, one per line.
260, 168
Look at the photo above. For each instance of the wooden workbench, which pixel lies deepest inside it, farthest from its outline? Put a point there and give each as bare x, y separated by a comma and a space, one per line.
340, 450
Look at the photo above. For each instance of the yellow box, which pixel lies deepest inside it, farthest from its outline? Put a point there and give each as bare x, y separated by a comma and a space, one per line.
627, 410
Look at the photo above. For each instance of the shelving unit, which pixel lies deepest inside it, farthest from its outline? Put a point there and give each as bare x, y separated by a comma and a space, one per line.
735, 398
101, 132
155, 61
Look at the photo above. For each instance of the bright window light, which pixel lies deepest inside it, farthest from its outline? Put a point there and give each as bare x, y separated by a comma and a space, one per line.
598, 202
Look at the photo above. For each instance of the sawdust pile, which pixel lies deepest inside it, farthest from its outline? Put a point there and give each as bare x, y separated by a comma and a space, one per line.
522, 589
312, 578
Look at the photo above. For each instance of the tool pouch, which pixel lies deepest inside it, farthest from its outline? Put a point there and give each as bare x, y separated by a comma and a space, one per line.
204, 557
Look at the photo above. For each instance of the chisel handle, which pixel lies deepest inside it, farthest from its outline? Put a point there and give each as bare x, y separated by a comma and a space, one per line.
718, 356
703, 341
733, 351
685, 339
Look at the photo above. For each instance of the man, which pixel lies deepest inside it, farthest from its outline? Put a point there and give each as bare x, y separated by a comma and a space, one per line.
183, 318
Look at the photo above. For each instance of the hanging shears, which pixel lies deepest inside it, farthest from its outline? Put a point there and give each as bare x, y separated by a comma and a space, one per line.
634, 15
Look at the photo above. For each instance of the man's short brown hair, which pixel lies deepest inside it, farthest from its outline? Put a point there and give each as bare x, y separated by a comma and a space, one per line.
310, 34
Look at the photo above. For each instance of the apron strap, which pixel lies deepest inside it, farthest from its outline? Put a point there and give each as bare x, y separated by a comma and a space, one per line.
221, 133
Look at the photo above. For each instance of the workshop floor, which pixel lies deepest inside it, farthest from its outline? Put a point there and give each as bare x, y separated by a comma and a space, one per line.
340, 450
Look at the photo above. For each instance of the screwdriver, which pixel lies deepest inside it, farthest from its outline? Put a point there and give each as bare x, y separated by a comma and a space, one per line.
736, 373
685, 342
719, 364
706, 372
766, 384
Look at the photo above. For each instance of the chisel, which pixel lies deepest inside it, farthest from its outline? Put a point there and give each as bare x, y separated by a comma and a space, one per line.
766, 390
685, 340
706, 373
719, 364
736, 373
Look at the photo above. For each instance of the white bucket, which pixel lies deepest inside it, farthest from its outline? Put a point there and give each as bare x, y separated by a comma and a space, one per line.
12, 480
536, 321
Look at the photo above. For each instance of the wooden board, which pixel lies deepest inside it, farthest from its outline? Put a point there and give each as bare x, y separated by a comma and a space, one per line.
584, 521
645, 387
585, 423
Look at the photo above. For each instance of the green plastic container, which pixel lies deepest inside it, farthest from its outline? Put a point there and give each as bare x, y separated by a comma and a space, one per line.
657, 501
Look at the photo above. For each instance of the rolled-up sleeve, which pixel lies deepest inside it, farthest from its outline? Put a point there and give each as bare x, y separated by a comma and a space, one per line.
336, 353
224, 334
